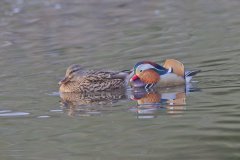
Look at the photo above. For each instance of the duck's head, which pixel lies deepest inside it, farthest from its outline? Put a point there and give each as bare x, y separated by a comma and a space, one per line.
147, 72
71, 73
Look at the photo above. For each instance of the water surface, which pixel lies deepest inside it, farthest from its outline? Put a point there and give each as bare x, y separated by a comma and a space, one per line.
39, 39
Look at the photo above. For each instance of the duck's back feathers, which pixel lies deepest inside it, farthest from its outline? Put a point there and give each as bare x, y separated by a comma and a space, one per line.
102, 76
93, 80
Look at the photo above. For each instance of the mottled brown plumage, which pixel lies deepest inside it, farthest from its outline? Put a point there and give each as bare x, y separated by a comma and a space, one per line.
79, 80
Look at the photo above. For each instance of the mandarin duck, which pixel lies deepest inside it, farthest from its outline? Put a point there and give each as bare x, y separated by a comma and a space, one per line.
172, 73
79, 80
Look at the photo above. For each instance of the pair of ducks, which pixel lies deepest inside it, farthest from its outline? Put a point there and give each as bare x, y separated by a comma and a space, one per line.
144, 74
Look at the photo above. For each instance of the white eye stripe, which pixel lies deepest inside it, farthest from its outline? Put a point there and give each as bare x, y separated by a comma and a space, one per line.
144, 67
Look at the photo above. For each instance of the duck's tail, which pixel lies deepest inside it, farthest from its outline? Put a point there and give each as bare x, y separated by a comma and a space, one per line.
191, 73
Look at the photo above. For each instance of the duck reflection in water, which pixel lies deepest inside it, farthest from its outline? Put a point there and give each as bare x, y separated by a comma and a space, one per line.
88, 104
150, 103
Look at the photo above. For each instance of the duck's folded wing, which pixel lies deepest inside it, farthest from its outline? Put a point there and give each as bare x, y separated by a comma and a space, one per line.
176, 66
103, 75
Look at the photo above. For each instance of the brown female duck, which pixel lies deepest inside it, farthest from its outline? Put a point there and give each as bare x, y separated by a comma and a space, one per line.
79, 80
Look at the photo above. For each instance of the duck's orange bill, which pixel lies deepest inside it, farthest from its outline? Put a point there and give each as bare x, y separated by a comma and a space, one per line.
134, 78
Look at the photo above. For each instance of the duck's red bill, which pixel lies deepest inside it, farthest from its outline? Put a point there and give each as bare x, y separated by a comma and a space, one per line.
135, 77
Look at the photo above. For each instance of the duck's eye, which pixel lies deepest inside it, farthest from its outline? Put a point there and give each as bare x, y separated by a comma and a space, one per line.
140, 70
72, 71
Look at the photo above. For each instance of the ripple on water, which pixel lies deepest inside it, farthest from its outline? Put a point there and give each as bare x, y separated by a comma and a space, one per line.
55, 94
9, 113
45, 116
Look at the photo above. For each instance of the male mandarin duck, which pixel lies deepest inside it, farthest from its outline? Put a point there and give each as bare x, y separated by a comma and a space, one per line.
79, 80
148, 74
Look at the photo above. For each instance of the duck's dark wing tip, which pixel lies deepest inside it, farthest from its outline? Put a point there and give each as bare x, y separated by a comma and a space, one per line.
192, 73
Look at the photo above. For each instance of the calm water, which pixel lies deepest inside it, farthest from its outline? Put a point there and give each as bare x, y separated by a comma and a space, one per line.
39, 39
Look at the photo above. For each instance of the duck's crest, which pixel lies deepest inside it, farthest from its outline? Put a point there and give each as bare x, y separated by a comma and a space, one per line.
160, 69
